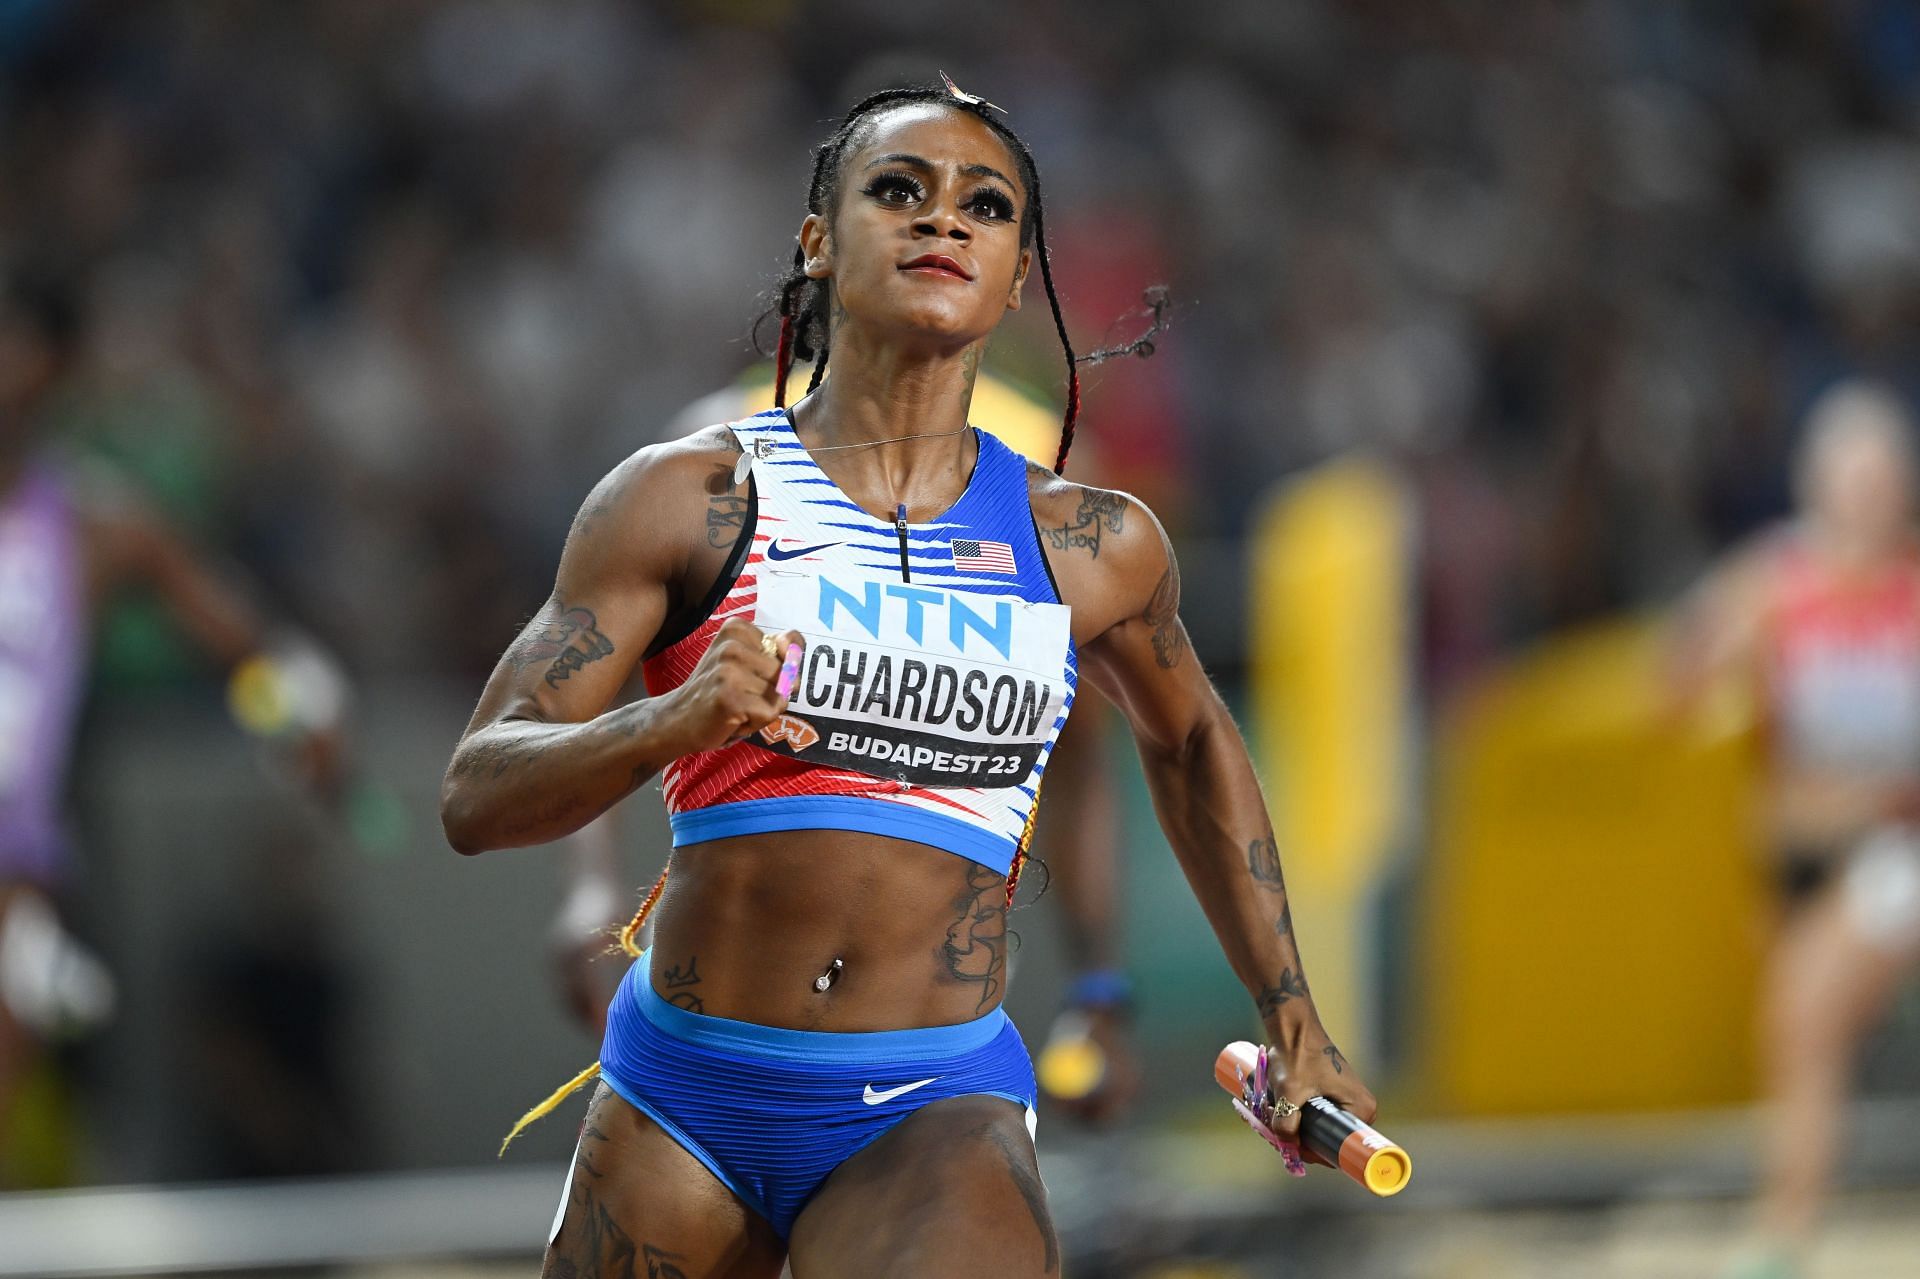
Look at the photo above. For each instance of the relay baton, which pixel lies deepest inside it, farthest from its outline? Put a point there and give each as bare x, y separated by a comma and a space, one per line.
1333, 1136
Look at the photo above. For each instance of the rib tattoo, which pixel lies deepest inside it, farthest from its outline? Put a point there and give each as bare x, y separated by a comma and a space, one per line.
975, 949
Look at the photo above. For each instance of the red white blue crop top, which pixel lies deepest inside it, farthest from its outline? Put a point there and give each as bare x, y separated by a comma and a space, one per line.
939, 667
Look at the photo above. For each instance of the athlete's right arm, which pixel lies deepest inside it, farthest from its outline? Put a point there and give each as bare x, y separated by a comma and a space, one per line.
544, 755
1717, 631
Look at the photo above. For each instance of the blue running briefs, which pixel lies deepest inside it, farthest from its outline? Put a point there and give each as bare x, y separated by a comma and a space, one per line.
772, 1112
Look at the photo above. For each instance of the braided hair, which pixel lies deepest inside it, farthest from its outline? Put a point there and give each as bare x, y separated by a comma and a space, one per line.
801, 303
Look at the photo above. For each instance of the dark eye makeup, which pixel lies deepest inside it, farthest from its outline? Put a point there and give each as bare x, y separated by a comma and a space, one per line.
988, 203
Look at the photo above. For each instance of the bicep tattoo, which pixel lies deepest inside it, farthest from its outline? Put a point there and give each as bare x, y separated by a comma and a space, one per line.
1162, 613
568, 641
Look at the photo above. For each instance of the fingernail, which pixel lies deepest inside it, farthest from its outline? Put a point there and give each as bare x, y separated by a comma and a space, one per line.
789, 672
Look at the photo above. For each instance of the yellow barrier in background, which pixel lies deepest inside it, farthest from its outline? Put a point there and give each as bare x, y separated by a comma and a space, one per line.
1328, 703
1591, 913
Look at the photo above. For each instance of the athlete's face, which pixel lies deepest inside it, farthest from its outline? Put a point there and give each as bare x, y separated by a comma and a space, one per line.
1862, 485
924, 241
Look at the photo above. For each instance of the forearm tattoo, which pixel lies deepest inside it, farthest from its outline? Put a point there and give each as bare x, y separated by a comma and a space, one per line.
975, 949
1292, 985
1263, 863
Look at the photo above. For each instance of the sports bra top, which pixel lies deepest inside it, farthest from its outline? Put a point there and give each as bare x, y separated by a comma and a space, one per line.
1843, 664
938, 673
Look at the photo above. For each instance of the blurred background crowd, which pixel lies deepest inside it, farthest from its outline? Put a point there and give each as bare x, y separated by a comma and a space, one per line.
377, 289
1580, 265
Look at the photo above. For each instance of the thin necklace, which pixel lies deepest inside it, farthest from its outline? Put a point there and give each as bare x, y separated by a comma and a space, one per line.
868, 444
761, 448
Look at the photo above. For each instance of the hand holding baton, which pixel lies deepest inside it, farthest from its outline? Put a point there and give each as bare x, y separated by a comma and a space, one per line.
1330, 1134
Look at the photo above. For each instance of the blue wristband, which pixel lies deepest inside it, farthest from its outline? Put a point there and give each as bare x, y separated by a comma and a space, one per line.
1100, 988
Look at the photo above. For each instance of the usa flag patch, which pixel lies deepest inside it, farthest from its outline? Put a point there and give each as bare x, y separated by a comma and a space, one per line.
982, 557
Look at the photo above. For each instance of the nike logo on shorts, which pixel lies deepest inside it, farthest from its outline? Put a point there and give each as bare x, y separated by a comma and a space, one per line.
775, 553
874, 1096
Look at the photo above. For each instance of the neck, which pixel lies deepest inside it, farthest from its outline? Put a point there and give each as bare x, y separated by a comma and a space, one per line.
917, 398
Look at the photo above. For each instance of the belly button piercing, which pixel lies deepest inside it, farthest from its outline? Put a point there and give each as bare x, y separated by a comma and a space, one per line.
827, 978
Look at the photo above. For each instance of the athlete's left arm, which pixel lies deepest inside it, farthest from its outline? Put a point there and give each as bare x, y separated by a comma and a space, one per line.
129, 544
1207, 797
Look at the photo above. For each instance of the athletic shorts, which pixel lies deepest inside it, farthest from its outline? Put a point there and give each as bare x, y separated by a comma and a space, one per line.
772, 1112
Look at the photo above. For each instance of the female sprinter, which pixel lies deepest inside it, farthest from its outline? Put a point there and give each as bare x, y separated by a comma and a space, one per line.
811, 1061
1824, 618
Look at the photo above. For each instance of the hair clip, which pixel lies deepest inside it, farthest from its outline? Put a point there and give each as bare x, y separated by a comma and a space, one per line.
971, 99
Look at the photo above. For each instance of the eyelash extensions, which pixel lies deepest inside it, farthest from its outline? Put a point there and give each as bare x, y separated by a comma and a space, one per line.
1002, 208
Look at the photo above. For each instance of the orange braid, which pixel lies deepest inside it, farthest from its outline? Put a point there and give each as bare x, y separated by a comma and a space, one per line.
639, 920
1020, 851
627, 943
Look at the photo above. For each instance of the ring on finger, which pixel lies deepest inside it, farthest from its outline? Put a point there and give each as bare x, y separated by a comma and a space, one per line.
1284, 1108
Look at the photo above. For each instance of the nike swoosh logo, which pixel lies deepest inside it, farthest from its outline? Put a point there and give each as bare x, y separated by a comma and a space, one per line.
874, 1096
775, 553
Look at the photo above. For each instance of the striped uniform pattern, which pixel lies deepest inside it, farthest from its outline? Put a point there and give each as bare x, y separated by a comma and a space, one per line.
801, 508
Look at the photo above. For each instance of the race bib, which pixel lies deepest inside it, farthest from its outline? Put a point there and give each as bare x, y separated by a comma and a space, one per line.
921, 684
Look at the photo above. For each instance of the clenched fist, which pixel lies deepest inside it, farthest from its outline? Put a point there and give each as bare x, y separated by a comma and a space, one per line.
731, 693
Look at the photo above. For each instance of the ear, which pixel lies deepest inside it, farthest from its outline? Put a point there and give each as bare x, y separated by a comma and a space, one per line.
816, 247
1019, 278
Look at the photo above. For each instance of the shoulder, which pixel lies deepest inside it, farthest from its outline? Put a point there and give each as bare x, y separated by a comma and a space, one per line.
654, 500
1103, 522
1104, 545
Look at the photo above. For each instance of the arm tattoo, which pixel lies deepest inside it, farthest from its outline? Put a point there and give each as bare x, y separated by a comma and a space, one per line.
595, 510
681, 982
1292, 985
569, 639
975, 949
1337, 1058
577, 634
1263, 863
1100, 513
726, 517
1163, 614
1284, 924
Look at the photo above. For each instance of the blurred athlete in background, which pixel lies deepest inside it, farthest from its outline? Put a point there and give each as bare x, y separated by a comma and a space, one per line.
70, 537
1822, 618
1089, 1067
